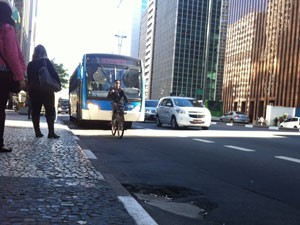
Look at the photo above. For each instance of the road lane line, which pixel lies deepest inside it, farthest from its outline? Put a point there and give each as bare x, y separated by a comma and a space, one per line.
239, 148
76, 138
288, 159
89, 154
138, 213
202, 140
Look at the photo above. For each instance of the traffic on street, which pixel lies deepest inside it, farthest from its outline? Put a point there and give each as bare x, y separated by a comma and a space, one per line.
230, 174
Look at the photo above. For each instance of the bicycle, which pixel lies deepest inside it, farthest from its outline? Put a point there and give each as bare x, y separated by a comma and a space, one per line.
117, 123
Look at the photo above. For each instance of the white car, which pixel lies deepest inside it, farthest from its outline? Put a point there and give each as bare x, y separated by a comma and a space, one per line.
182, 112
293, 122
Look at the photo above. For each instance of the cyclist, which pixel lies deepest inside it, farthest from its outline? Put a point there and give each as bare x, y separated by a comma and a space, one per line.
117, 97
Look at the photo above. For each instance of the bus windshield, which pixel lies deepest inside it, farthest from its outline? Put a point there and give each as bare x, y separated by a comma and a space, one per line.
100, 78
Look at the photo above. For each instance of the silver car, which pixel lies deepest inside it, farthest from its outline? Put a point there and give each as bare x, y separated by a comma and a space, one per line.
150, 109
235, 117
63, 106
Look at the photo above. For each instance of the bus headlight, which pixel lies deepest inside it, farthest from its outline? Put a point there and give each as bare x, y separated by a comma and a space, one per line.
130, 106
134, 108
92, 106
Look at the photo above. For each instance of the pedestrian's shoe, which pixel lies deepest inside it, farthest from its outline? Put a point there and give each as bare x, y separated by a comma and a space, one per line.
5, 149
39, 134
53, 135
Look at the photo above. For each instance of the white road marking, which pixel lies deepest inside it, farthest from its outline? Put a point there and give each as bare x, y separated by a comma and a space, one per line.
140, 216
249, 125
273, 128
89, 154
239, 148
288, 159
202, 140
76, 138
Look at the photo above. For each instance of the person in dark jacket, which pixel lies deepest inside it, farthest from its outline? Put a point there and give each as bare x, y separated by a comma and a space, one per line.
39, 96
117, 96
12, 64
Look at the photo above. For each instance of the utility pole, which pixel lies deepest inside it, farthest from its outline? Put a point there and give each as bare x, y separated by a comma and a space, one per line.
120, 41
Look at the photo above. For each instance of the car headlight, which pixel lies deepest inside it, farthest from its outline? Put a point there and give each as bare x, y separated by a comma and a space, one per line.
180, 111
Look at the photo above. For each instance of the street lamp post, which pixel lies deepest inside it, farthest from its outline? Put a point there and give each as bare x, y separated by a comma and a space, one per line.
120, 40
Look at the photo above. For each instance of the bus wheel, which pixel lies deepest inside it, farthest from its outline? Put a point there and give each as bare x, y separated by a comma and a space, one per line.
72, 119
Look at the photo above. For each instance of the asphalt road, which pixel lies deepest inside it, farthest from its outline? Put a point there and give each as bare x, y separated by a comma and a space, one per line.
235, 175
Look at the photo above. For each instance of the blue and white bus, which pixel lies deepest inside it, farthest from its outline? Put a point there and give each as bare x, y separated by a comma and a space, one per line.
91, 81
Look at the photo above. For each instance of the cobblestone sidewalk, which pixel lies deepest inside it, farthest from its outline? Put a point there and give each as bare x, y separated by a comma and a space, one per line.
51, 181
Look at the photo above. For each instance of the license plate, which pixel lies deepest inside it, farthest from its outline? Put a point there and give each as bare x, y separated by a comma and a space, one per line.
198, 121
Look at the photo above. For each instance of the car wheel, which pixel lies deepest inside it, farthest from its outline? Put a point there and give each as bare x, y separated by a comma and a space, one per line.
205, 128
231, 121
158, 123
174, 124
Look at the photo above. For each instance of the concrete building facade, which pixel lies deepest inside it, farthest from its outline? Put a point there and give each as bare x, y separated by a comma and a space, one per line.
147, 44
262, 56
24, 13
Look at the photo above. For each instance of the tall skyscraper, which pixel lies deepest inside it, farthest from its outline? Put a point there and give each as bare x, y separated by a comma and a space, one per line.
262, 56
147, 43
244, 49
189, 45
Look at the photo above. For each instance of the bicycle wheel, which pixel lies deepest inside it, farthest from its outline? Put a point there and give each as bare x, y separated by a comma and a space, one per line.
113, 127
121, 126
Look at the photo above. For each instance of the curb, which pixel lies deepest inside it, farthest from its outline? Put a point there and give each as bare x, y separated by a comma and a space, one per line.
134, 209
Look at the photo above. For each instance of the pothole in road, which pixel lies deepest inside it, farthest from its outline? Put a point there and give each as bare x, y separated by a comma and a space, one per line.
178, 200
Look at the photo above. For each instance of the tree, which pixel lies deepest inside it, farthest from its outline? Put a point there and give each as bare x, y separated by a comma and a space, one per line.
62, 73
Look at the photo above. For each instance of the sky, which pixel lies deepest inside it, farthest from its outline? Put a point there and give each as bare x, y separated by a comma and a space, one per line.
70, 28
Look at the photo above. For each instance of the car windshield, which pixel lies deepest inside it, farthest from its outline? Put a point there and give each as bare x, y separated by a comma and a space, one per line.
151, 103
184, 102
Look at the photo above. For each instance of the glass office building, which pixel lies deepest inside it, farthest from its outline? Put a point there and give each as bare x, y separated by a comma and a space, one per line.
189, 47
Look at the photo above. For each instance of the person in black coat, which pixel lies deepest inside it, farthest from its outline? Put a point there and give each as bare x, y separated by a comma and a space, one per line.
39, 96
117, 96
